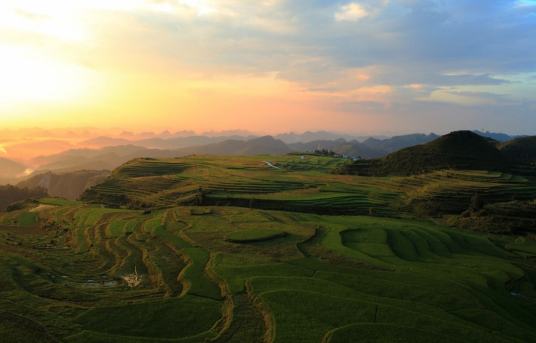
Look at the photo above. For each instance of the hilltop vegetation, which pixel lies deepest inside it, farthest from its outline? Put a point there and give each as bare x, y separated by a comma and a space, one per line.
462, 150
520, 149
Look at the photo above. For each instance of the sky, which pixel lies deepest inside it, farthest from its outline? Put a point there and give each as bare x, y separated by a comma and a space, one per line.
369, 66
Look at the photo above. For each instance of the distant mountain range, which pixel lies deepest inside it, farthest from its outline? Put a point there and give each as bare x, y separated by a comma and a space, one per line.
498, 136
311, 136
167, 143
109, 158
184, 141
266, 145
69, 173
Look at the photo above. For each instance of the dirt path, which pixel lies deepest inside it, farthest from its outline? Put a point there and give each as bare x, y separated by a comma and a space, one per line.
271, 165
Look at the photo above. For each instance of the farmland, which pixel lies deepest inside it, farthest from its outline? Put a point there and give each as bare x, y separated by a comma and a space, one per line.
303, 184
235, 250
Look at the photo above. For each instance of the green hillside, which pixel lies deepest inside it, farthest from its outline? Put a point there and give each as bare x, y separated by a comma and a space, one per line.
302, 184
520, 149
217, 277
272, 249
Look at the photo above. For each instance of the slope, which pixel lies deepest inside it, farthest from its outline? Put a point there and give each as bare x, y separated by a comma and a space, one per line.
68, 185
456, 150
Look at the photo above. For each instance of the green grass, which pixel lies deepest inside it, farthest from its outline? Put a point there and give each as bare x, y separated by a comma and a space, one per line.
335, 278
277, 265
58, 202
306, 186
174, 318
252, 236
27, 219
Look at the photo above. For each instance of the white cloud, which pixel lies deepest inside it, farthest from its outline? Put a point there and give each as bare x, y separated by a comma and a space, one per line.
351, 12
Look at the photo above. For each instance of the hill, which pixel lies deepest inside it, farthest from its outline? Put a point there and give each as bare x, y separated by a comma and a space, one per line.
104, 141
287, 182
395, 143
520, 150
456, 150
65, 185
304, 184
76, 272
266, 145
369, 148
10, 194
10, 170
340, 146
107, 158
186, 141
311, 136
498, 136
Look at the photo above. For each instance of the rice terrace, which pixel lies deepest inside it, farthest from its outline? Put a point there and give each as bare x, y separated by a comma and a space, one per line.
228, 249
274, 171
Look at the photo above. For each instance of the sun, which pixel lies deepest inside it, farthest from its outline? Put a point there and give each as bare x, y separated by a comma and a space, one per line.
29, 76
30, 72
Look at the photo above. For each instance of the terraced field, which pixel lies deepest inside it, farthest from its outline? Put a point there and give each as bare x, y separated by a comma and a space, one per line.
301, 184
290, 261
242, 275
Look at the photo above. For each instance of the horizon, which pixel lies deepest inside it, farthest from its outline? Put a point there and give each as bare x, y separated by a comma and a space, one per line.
364, 67
267, 171
28, 145
118, 131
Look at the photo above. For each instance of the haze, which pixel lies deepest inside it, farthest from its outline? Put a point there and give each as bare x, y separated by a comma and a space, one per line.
271, 66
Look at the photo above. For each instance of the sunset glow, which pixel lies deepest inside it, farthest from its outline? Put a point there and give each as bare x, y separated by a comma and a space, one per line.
265, 66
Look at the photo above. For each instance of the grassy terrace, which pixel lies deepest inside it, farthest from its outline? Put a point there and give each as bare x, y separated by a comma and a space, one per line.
302, 185
247, 273
254, 275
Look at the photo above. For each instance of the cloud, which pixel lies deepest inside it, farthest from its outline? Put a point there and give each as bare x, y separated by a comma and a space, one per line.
351, 12
446, 52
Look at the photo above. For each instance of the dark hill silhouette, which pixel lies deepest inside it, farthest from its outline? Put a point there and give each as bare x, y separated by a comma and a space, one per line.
396, 143
520, 149
498, 136
456, 150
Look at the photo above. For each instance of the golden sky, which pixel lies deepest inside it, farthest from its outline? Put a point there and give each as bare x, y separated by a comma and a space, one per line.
264, 66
